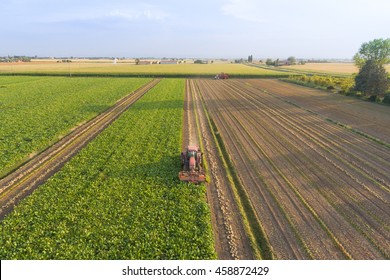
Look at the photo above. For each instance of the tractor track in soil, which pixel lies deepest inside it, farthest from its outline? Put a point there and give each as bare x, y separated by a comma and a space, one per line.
319, 190
230, 237
20, 183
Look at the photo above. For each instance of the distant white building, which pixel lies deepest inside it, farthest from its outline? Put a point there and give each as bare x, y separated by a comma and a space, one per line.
168, 62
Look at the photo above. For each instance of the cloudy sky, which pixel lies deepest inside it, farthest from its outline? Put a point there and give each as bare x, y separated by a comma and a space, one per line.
201, 28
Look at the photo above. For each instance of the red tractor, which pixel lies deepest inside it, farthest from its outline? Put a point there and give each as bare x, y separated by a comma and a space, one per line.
191, 164
221, 76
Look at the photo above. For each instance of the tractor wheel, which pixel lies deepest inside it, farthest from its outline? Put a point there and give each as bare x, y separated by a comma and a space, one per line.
183, 160
199, 160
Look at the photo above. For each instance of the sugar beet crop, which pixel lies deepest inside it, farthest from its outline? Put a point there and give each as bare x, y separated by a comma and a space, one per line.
119, 198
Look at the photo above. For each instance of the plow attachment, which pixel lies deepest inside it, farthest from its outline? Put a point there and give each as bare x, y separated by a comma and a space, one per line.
192, 177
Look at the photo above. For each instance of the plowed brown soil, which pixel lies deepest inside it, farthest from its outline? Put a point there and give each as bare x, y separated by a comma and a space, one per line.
319, 190
367, 117
231, 241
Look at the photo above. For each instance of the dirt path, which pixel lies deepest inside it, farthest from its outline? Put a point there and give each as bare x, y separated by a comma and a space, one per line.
190, 135
319, 190
231, 241
28, 177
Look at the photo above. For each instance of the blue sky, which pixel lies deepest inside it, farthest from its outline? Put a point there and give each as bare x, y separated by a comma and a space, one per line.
201, 28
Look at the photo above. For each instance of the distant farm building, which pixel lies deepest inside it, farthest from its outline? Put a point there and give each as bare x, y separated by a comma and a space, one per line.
168, 62
145, 62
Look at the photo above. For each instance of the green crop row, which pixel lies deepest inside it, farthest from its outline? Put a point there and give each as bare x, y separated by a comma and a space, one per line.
120, 197
36, 111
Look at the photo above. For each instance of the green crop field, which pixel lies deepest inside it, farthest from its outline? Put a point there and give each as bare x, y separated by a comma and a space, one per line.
36, 111
120, 197
127, 69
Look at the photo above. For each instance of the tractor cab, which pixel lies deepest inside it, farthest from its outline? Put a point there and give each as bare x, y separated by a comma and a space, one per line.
192, 151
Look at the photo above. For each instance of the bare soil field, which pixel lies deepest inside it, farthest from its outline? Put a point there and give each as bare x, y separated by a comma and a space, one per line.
366, 117
319, 190
230, 238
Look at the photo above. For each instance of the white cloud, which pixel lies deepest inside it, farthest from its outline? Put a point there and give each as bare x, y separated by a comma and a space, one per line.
85, 14
124, 15
155, 14
148, 14
248, 10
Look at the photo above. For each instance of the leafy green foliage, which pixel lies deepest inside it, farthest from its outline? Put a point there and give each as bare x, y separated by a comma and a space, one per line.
386, 99
377, 51
292, 60
342, 85
35, 111
372, 80
120, 197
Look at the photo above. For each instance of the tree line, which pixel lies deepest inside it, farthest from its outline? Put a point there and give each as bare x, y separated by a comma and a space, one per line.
15, 59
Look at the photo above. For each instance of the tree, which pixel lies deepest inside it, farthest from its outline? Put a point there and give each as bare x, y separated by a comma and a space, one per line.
372, 78
292, 60
377, 50
269, 61
137, 61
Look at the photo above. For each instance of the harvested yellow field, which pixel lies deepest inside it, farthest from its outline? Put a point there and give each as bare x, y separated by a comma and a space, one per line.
342, 68
109, 68
331, 68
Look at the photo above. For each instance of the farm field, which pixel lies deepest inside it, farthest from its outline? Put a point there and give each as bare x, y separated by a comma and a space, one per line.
123, 69
26, 178
36, 111
318, 190
330, 68
285, 181
119, 198
231, 239
356, 114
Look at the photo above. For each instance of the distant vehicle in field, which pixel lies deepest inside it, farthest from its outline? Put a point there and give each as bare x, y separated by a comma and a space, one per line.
221, 76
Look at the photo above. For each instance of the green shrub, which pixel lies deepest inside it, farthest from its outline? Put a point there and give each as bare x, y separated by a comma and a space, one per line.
386, 99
